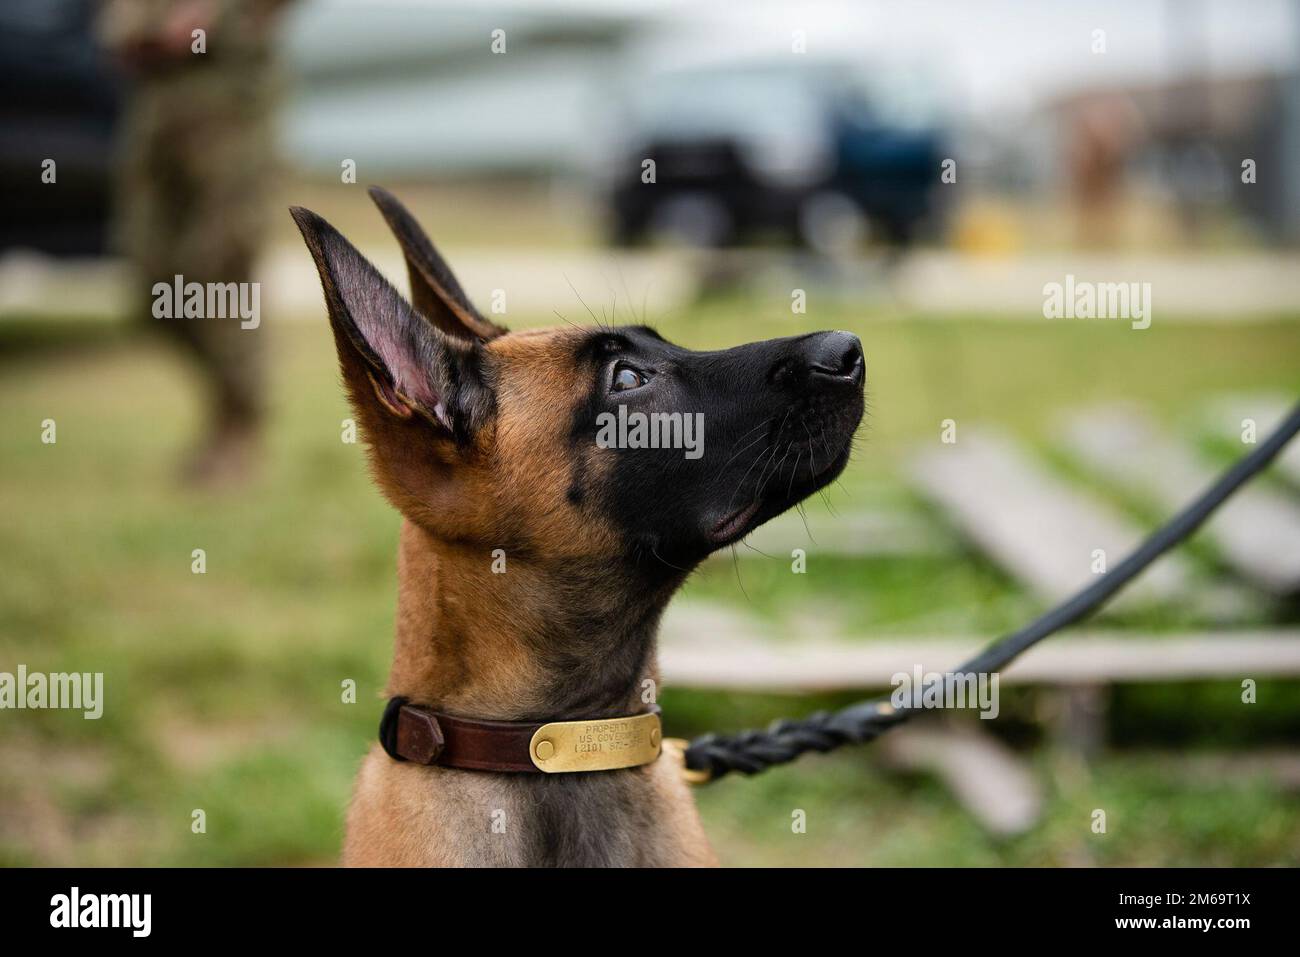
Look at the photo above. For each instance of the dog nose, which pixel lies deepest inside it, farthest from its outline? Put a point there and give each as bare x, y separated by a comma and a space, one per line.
834, 359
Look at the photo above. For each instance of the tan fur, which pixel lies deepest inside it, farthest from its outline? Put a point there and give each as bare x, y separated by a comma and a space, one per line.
462, 641
536, 394
407, 816
524, 645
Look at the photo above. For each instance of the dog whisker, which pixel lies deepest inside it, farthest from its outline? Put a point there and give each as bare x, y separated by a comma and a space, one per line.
811, 457
757, 551
735, 561
803, 514
723, 469
747, 434
776, 471
771, 449
656, 554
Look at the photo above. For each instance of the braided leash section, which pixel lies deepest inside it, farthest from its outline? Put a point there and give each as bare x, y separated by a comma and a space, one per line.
711, 756
784, 740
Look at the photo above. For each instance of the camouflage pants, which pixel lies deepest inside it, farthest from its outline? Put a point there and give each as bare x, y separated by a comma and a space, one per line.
197, 171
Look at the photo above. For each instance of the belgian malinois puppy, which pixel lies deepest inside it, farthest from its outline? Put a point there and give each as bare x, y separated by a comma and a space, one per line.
535, 561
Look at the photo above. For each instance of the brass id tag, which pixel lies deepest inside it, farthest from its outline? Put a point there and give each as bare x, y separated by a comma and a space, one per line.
596, 745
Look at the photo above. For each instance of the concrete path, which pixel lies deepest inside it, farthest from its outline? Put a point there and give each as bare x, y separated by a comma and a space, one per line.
1184, 287
708, 646
858, 534
1039, 528
1257, 530
1227, 417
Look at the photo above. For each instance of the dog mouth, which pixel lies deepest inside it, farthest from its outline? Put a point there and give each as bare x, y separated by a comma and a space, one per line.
790, 486
735, 525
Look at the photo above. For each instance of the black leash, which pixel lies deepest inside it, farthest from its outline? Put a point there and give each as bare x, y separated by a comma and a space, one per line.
710, 756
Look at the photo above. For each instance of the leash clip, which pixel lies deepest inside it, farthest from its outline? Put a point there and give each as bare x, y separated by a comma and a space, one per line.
689, 775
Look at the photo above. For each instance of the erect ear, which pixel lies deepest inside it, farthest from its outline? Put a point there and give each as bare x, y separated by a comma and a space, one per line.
395, 363
434, 288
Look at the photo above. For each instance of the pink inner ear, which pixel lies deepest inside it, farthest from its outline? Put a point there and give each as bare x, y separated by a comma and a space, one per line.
412, 380
392, 341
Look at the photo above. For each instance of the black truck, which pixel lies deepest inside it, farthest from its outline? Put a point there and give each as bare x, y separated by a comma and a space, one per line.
804, 154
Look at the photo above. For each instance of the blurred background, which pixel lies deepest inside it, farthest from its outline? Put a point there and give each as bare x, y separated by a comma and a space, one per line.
916, 173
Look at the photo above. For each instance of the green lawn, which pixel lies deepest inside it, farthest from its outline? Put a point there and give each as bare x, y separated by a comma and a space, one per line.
223, 689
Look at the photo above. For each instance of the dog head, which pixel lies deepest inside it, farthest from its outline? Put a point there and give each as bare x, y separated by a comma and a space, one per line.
608, 445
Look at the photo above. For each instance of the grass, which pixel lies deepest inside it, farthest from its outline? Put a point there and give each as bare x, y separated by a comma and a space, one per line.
857, 815
224, 689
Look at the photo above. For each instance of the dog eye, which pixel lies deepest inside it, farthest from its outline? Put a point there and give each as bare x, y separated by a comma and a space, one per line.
625, 378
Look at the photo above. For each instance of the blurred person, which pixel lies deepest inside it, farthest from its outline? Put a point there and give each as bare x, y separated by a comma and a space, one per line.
195, 175
1102, 136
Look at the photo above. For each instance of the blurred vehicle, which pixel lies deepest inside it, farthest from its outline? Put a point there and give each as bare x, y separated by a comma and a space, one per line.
58, 101
809, 151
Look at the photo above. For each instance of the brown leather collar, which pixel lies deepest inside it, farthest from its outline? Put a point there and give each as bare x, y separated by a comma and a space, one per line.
411, 732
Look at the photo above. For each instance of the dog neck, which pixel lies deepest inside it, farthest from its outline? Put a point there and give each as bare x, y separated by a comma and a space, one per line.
519, 639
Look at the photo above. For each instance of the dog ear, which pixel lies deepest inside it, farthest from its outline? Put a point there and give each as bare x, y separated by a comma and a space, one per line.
434, 288
395, 364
